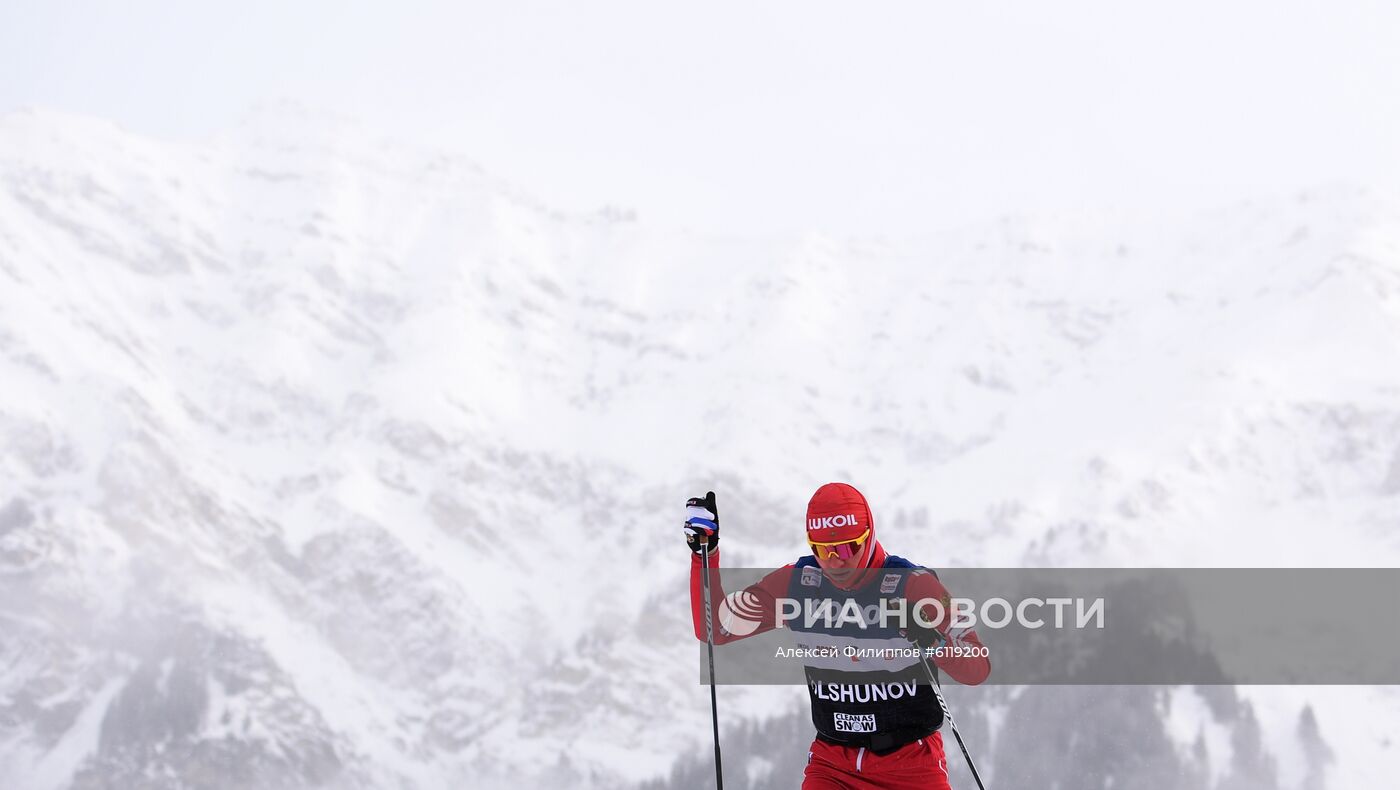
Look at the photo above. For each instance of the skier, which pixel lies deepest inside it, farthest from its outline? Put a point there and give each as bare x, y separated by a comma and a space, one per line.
877, 728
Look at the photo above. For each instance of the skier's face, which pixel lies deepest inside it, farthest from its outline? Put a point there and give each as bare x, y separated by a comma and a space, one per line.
839, 561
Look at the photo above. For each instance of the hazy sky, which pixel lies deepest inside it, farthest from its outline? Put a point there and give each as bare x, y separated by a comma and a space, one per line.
765, 116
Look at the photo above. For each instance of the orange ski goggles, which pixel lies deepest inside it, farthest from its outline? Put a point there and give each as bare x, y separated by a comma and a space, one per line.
841, 549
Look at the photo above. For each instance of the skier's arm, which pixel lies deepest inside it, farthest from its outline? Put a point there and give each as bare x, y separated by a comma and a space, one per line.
752, 610
749, 611
970, 665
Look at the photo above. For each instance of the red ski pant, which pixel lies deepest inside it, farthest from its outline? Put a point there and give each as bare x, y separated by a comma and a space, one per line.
915, 766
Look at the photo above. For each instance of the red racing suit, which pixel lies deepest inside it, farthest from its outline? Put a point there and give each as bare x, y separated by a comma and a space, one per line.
875, 729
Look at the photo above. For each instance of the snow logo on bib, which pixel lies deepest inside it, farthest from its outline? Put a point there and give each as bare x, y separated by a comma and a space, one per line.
855, 722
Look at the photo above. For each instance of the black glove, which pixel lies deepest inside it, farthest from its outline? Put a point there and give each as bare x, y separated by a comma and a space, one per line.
923, 635
702, 523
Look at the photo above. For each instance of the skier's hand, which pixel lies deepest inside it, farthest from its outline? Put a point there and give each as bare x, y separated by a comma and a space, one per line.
702, 523
923, 635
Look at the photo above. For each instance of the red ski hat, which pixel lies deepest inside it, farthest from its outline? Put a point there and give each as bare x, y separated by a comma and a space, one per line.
838, 512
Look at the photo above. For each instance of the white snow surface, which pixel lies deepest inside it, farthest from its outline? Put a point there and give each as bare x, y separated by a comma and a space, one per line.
402, 450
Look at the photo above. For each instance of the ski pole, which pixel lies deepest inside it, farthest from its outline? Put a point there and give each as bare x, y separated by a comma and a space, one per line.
710, 646
948, 716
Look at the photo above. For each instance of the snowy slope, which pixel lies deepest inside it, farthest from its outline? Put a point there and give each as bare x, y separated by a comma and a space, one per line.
330, 461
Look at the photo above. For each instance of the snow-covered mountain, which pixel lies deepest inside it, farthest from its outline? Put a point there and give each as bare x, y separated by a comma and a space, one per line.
329, 461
